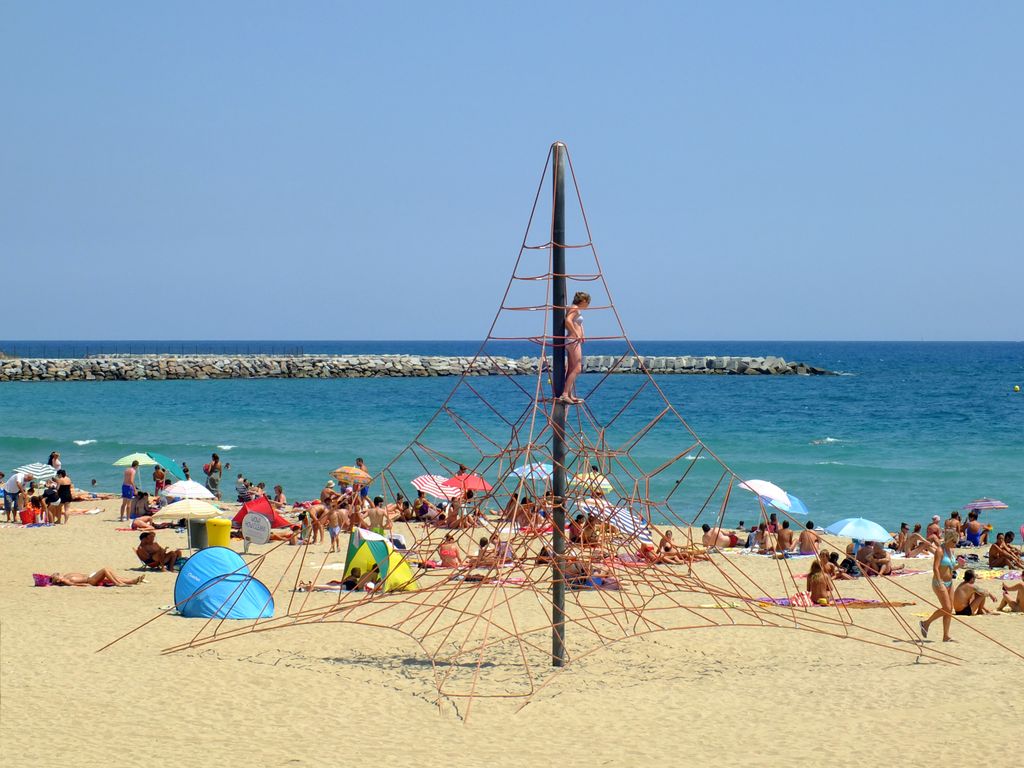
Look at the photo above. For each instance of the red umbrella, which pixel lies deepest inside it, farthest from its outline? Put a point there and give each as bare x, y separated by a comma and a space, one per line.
467, 482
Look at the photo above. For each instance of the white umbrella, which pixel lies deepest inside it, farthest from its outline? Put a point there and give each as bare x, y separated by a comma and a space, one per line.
774, 496
187, 489
42, 472
188, 509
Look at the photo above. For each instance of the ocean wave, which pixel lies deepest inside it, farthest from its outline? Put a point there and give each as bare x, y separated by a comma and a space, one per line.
691, 457
226, 447
827, 441
83, 442
835, 463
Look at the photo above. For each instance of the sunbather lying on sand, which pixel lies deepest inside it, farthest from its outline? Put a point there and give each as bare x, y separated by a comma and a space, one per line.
104, 577
716, 537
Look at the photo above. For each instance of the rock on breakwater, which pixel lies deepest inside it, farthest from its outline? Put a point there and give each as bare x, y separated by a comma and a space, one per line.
163, 367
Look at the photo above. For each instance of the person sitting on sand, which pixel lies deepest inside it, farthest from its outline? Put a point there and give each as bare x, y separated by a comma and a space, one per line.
833, 570
1015, 604
865, 558
881, 561
484, 557
818, 585
670, 553
916, 544
968, 598
1002, 555
807, 544
784, 542
104, 577
976, 533
764, 540
716, 537
154, 555
449, 552
544, 557
934, 531
899, 541
954, 523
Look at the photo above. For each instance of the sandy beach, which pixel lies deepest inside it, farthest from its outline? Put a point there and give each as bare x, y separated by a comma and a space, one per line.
309, 695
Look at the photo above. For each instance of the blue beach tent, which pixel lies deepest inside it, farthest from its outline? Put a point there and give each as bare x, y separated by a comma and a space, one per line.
215, 583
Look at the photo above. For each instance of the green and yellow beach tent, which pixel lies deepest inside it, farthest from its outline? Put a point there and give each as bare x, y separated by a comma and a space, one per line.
367, 549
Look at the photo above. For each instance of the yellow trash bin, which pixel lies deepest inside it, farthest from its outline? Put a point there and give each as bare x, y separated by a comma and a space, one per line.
218, 532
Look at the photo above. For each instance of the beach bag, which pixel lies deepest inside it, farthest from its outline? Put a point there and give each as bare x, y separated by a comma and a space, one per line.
801, 600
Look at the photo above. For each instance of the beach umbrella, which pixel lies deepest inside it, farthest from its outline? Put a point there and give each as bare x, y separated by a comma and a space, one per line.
467, 482
774, 496
144, 459
859, 528
189, 509
592, 481
534, 471
41, 472
351, 476
187, 489
432, 486
167, 463
986, 503
623, 518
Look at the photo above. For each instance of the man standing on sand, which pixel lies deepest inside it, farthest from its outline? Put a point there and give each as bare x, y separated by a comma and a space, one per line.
128, 490
13, 488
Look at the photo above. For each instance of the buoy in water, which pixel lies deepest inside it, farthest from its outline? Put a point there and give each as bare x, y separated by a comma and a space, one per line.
1016, 387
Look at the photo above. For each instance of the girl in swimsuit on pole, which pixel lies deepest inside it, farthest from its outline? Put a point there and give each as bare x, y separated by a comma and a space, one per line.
943, 575
574, 347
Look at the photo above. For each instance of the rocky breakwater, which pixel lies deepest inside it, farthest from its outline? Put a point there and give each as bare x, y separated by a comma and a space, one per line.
368, 366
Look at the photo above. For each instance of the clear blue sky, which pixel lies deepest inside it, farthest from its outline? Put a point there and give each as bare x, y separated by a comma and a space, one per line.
365, 170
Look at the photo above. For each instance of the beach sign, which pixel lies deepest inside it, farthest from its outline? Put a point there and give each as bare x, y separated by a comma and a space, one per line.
255, 529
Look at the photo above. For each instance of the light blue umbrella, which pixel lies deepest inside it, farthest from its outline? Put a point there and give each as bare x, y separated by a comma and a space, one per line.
534, 471
859, 528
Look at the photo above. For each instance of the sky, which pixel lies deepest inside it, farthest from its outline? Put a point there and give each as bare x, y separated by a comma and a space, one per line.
333, 170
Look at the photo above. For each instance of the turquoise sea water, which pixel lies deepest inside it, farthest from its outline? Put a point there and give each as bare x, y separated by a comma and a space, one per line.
913, 429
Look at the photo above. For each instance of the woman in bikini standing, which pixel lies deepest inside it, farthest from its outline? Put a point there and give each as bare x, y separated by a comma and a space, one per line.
574, 347
943, 575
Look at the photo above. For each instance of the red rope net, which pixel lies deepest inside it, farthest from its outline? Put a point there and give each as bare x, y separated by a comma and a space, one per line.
637, 470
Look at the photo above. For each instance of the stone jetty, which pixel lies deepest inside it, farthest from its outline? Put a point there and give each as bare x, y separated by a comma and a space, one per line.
162, 367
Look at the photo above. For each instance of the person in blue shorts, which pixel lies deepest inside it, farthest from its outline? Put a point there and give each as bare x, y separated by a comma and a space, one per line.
128, 490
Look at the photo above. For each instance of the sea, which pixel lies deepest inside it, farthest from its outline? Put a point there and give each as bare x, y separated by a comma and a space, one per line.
909, 429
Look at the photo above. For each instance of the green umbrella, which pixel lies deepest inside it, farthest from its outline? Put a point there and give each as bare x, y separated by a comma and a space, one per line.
126, 461
167, 463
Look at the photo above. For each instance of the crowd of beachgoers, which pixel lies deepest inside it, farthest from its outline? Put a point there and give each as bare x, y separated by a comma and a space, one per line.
347, 505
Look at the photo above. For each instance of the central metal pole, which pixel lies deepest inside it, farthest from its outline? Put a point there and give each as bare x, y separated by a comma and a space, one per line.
558, 658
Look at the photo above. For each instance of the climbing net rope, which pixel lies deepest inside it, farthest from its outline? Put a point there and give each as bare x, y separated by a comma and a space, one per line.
637, 471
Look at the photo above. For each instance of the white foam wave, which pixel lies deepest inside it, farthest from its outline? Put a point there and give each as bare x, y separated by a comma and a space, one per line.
834, 463
226, 447
826, 441
691, 457
83, 442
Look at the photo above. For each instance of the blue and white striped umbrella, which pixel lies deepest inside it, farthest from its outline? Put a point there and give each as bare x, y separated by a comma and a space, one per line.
534, 471
623, 518
42, 472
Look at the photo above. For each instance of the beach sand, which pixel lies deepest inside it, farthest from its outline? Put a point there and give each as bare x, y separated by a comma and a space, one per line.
335, 693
